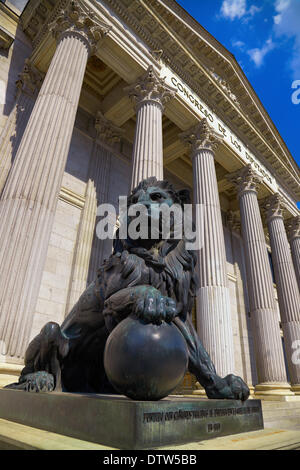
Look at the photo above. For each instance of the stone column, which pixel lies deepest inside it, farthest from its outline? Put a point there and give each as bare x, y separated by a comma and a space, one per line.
150, 94
293, 226
272, 380
28, 85
248, 371
213, 303
286, 283
29, 199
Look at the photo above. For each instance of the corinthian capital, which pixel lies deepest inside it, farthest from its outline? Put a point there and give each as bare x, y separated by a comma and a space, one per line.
245, 180
78, 20
106, 130
150, 87
273, 206
201, 136
30, 79
293, 227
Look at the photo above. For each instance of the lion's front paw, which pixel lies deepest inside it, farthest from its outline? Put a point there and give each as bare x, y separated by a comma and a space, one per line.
37, 382
153, 307
230, 387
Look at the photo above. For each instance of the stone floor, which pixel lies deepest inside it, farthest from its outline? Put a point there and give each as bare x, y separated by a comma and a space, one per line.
14, 436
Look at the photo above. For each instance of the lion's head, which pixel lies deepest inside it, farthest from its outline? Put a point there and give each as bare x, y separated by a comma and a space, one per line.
155, 212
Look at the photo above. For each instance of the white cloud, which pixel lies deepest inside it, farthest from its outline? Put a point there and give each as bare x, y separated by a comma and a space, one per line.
239, 44
258, 55
233, 9
287, 23
253, 10
281, 5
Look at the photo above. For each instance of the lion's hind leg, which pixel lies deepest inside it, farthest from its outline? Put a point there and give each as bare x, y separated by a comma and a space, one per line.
43, 358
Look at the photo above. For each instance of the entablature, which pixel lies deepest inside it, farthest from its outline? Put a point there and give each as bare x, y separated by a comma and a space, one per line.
161, 33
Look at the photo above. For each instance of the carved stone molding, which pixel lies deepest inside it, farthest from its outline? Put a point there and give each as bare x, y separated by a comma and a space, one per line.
273, 206
106, 130
79, 21
223, 84
30, 79
150, 88
201, 136
245, 180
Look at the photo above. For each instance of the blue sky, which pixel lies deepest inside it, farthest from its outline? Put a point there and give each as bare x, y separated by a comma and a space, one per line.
264, 37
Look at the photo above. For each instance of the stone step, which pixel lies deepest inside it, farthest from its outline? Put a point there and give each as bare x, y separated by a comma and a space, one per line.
266, 439
15, 436
292, 424
282, 413
280, 404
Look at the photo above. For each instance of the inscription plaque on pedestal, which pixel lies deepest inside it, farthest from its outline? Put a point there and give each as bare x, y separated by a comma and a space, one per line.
119, 422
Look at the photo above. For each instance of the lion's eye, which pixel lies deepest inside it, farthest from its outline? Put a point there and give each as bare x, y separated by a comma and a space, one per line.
156, 196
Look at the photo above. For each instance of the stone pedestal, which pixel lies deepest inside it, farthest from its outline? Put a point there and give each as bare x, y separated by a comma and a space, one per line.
150, 94
213, 304
119, 422
29, 199
286, 283
272, 380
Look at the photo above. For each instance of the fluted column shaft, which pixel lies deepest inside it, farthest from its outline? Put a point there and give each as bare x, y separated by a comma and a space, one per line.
294, 239
100, 177
214, 323
27, 87
286, 283
148, 143
264, 318
150, 94
29, 199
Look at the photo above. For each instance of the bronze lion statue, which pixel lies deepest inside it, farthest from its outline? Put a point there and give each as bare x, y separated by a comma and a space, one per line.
156, 280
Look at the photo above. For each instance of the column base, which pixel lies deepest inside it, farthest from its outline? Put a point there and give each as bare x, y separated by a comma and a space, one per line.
251, 396
296, 389
200, 392
9, 373
274, 391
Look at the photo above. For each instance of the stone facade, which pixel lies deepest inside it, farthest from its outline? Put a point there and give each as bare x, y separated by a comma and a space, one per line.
96, 96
